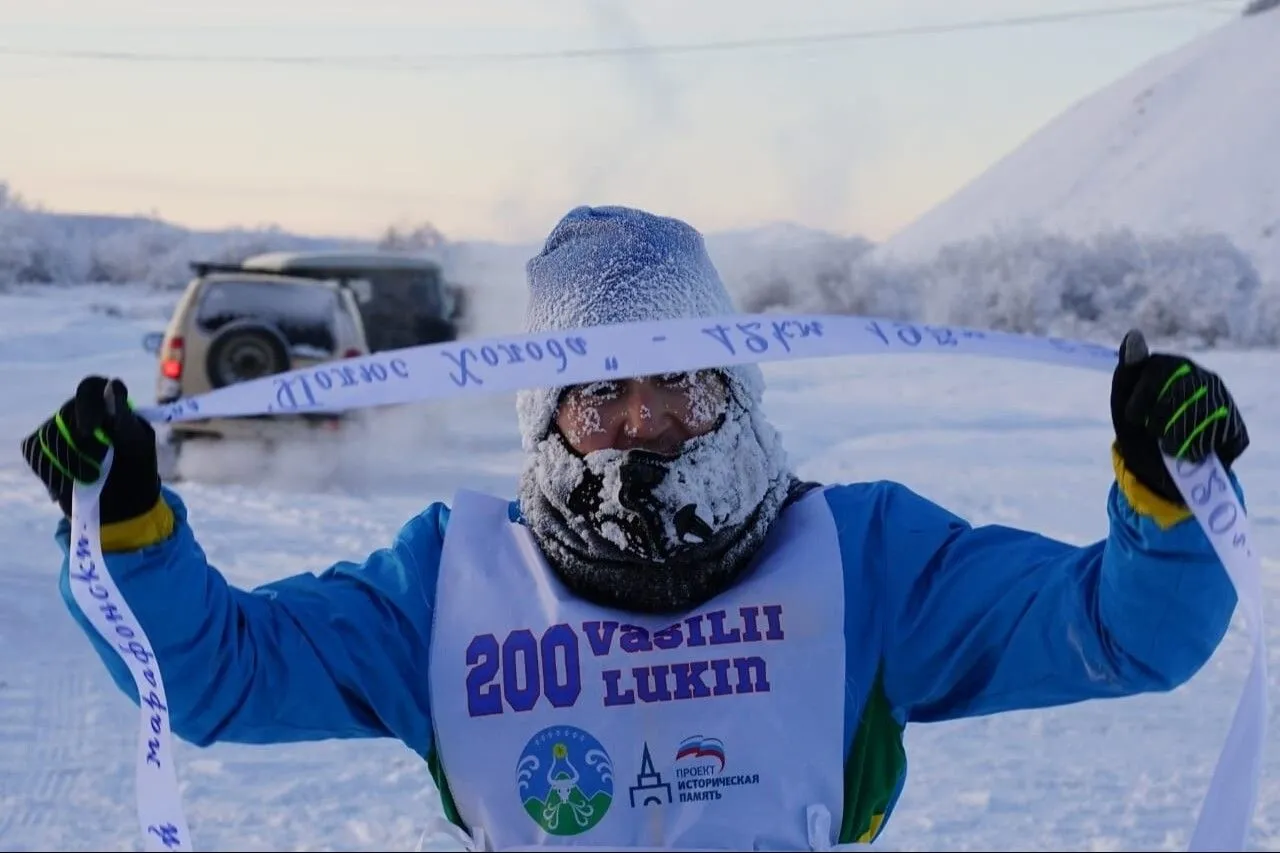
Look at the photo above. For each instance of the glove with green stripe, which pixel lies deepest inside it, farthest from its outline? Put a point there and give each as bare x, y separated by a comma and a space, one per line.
70, 446
1168, 404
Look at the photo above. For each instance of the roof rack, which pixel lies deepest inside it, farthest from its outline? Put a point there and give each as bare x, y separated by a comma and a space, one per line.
203, 268
206, 267
343, 259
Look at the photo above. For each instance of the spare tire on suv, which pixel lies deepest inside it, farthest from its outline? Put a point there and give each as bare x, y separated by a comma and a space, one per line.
244, 350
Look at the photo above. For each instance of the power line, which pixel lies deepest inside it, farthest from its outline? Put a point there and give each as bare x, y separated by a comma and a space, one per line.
429, 62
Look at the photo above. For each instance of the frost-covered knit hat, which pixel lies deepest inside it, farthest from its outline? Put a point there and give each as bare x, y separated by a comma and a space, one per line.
604, 265
608, 265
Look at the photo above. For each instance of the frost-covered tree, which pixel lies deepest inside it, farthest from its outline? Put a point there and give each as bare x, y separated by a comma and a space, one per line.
419, 238
8, 198
1198, 289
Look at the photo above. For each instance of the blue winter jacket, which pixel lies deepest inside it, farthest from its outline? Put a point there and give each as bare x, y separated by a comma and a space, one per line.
943, 620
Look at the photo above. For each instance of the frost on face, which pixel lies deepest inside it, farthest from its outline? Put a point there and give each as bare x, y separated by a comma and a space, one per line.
708, 398
646, 414
724, 475
582, 406
696, 399
581, 423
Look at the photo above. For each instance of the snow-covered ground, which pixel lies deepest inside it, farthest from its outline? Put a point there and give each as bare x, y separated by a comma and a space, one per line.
996, 441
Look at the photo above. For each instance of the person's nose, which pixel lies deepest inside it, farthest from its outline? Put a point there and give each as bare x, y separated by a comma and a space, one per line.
645, 420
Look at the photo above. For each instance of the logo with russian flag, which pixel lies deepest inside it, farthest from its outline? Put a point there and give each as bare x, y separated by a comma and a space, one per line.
699, 771
701, 747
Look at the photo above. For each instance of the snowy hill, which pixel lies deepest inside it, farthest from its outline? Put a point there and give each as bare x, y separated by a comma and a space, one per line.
1187, 143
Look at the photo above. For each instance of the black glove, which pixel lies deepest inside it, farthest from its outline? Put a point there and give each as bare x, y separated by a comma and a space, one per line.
1162, 403
71, 445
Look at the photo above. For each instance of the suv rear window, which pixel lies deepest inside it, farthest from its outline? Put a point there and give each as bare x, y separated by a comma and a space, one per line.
405, 309
305, 313
420, 292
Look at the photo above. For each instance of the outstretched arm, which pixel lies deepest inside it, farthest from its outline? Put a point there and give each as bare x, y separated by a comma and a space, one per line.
338, 655
990, 619
987, 619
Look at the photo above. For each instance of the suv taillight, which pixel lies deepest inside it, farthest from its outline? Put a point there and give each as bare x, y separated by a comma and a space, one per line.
352, 353
171, 359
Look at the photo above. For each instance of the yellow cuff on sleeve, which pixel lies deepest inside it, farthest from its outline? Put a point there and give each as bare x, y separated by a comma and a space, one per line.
133, 534
1144, 501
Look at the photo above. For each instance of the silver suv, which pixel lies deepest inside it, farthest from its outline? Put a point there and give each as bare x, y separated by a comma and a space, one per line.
284, 311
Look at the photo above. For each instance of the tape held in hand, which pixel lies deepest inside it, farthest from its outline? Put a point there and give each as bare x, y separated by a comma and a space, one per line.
159, 803
572, 356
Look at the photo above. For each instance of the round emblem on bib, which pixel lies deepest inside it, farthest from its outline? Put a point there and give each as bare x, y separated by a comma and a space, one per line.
565, 780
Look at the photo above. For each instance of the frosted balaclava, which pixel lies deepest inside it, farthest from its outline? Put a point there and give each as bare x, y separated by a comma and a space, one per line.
633, 529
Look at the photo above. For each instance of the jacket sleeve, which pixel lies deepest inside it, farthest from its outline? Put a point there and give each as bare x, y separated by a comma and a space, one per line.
341, 654
979, 620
